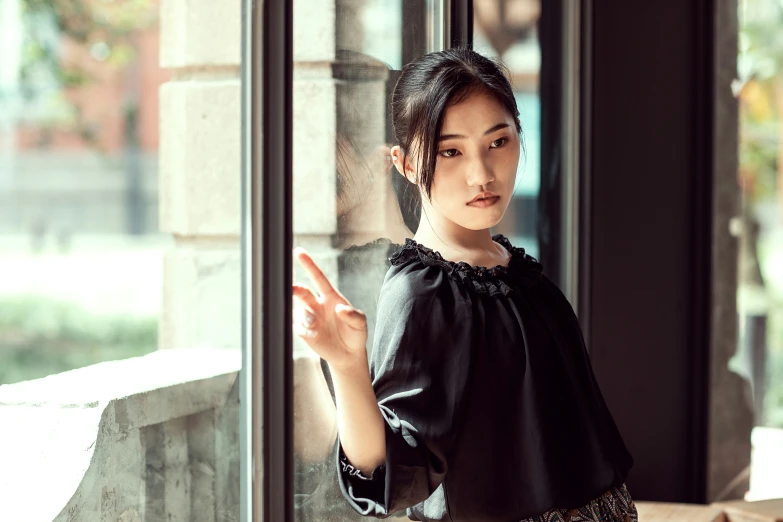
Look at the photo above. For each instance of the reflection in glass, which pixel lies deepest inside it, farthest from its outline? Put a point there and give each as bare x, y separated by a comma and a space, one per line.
353, 235
373, 213
508, 30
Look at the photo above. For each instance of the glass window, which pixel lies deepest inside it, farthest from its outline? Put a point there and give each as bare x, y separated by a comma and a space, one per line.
346, 207
508, 30
349, 203
78, 186
120, 294
759, 356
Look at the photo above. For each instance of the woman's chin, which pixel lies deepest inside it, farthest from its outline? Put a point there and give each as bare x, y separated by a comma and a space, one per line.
488, 218
482, 224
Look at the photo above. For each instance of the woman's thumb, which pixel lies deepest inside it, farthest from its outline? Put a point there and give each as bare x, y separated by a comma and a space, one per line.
351, 316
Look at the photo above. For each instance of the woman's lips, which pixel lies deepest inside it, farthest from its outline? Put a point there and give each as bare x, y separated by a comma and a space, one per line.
484, 203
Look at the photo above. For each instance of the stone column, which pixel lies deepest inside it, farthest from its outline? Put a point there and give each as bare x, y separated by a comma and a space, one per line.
200, 206
200, 124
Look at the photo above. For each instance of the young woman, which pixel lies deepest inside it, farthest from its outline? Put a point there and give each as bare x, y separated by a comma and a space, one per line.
479, 402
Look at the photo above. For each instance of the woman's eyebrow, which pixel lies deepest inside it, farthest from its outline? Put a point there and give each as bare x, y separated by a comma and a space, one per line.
460, 136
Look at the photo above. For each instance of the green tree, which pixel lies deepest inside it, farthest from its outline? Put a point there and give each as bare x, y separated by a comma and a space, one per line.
103, 29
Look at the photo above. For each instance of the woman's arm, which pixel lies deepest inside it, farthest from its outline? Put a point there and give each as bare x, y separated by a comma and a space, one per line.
360, 424
337, 332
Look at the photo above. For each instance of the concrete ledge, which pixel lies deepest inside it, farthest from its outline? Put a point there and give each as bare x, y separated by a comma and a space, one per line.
76, 445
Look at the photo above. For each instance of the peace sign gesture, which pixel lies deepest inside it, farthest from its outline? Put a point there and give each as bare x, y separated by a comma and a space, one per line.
334, 329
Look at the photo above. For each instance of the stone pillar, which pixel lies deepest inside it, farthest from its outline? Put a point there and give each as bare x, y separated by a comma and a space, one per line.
200, 147
200, 206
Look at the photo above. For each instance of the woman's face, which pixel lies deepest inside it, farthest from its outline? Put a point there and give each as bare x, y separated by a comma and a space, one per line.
478, 151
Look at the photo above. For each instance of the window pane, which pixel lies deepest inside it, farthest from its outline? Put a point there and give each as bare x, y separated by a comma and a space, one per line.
78, 187
759, 356
120, 255
508, 30
346, 209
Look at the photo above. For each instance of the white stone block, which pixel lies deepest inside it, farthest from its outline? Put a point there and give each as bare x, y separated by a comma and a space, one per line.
201, 299
314, 143
314, 30
200, 164
198, 33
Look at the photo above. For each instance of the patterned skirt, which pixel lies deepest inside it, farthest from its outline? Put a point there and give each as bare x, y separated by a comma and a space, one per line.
616, 505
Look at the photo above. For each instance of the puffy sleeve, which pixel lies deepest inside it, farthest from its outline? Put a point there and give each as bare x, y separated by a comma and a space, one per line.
419, 367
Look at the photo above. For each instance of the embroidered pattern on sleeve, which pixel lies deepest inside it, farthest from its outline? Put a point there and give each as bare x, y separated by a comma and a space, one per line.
353, 471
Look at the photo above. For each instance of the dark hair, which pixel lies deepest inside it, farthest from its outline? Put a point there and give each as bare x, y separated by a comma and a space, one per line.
430, 84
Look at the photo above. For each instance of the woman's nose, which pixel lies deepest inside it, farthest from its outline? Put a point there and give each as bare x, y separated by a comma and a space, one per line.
480, 173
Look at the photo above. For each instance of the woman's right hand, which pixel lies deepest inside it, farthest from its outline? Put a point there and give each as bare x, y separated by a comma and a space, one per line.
334, 329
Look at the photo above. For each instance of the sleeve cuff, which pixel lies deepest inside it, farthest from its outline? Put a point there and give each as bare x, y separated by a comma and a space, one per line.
365, 494
352, 471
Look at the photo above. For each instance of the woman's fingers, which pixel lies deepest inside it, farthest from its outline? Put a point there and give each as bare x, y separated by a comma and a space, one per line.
302, 331
304, 316
305, 295
318, 278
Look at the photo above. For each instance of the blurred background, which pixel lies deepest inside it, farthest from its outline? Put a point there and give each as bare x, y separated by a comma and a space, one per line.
80, 247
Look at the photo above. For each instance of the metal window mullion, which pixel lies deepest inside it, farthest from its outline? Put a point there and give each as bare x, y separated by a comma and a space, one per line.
250, 383
274, 284
570, 152
584, 228
458, 23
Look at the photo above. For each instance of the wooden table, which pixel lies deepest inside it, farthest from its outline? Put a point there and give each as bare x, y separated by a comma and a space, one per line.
736, 511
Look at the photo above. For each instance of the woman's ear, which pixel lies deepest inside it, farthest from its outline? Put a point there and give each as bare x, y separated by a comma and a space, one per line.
402, 163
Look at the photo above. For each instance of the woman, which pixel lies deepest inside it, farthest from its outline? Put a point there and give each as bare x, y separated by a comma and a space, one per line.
479, 402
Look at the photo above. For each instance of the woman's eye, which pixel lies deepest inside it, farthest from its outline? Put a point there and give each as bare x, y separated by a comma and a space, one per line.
449, 153
499, 142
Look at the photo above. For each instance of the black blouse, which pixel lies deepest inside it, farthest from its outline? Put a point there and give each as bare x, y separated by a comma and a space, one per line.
492, 409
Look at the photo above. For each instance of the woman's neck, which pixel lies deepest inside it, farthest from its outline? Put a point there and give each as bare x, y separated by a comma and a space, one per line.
456, 243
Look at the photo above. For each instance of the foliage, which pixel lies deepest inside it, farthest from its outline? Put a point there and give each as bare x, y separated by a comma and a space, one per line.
103, 33
40, 336
760, 67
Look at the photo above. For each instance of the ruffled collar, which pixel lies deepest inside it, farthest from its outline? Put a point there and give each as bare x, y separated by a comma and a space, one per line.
522, 269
